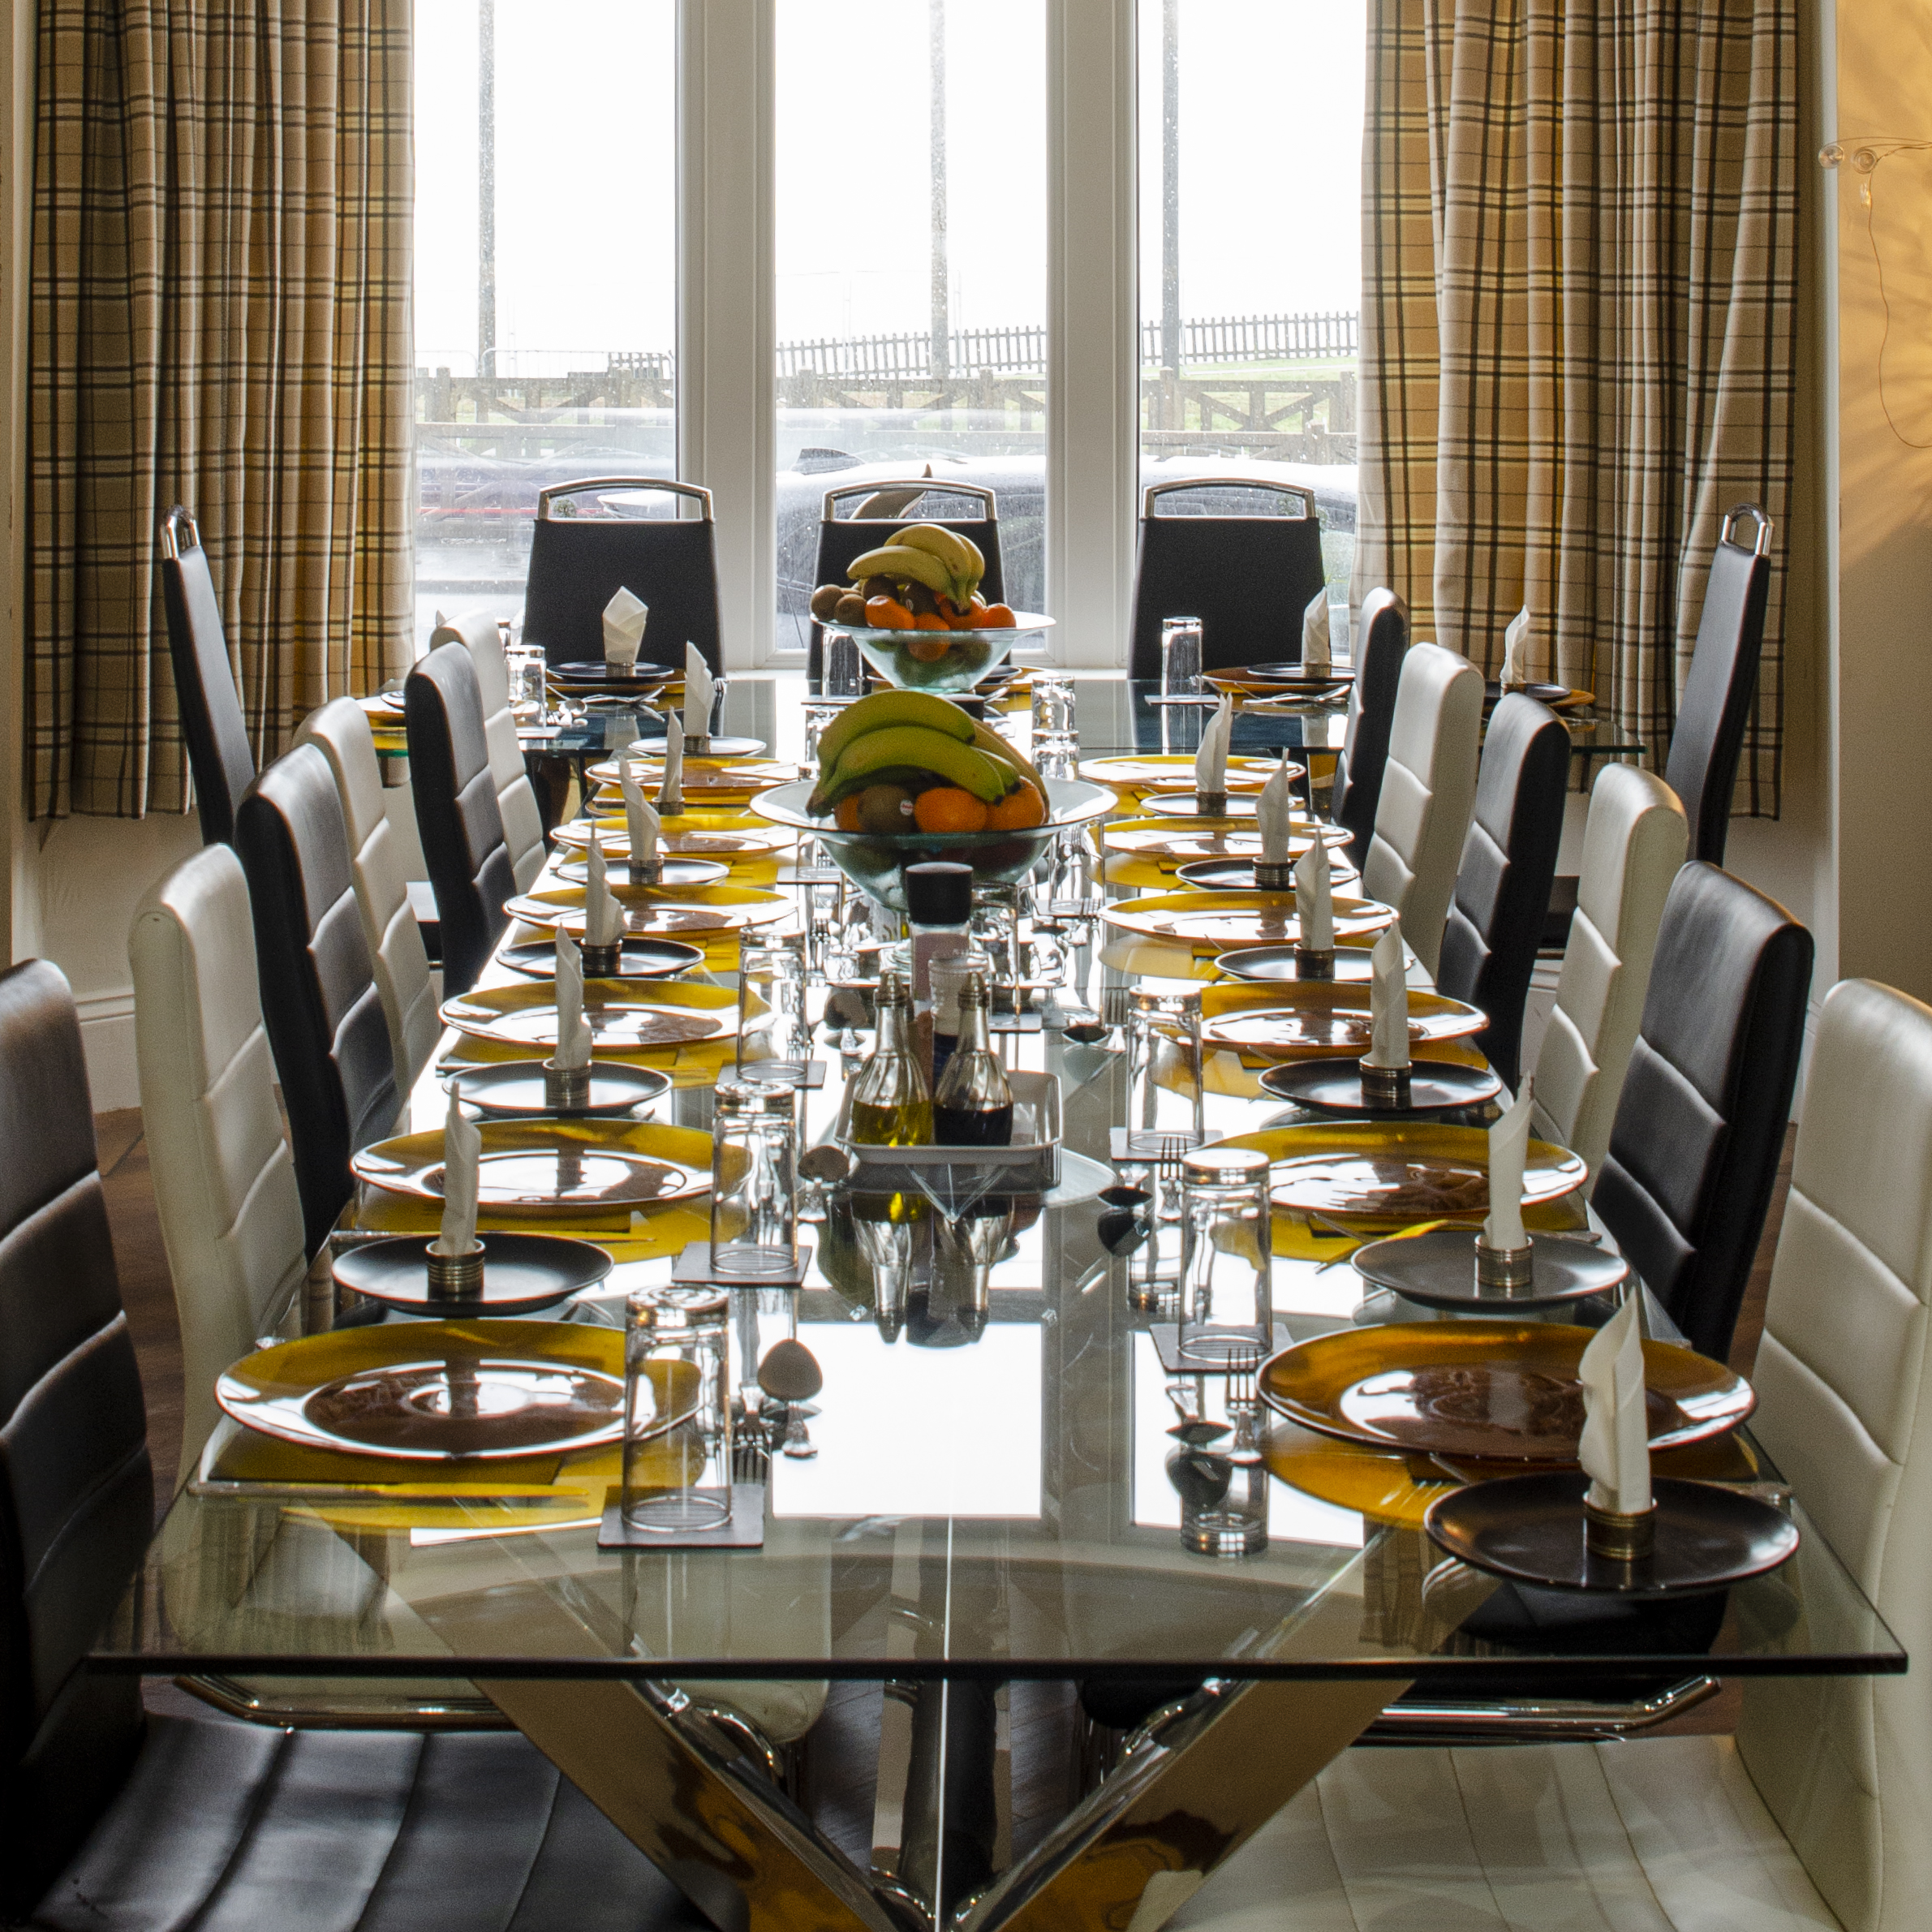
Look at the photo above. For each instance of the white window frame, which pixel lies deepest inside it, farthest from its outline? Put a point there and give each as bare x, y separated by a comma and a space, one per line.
727, 389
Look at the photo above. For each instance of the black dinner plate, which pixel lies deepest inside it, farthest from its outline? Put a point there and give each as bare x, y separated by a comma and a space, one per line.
521, 1272
1543, 694
1438, 1269
1334, 1087
642, 958
1353, 964
1289, 673
1237, 875
593, 672
672, 870
518, 1089
1530, 1528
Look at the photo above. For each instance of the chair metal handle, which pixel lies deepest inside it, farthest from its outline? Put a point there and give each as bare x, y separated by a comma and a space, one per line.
1730, 523
1228, 483
701, 497
171, 545
925, 485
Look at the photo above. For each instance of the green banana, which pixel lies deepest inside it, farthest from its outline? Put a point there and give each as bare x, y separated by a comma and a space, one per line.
965, 563
990, 742
885, 708
903, 566
964, 765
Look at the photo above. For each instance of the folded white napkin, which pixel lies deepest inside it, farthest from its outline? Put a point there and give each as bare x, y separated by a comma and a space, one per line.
624, 617
699, 688
1616, 1449
463, 1148
1211, 761
1314, 907
1314, 634
1388, 1001
641, 821
573, 1030
1274, 816
670, 791
1508, 1148
1516, 650
602, 917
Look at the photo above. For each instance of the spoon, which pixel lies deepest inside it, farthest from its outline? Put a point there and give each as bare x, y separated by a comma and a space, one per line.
790, 1372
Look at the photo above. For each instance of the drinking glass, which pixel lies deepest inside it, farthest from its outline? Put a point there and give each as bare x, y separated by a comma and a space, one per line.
1226, 1305
677, 1409
842, 670
523, 667
754, 1181
1053, 711
1165, 1104
774, 1038
1180, 657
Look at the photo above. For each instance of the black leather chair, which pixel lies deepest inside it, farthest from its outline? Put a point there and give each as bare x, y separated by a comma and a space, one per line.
1700, 1124
843, 539
115, 1821
1364, 756
463, 845
580, 558
218, 752
1247, 579
319, 1001
1503, 883
1716, 704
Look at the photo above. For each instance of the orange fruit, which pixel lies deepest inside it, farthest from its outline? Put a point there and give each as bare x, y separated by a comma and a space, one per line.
996, 617
844, 815
887, 614
1021, 807
946, 808
929, 620
928, 649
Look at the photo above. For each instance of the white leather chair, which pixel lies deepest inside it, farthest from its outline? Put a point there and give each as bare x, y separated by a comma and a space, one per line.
340, 731
1633, 845
224, 1183
1816, 1814
516, 802
1428, 792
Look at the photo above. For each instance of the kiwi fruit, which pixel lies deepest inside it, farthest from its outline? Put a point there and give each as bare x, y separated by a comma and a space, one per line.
884, 808
879, 587
919, 600
851, 610
825, 601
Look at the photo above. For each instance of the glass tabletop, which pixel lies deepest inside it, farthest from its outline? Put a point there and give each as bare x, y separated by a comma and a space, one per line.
995, 1493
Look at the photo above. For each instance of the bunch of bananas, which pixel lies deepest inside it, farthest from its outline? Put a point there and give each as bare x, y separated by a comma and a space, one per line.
927, 576
902, 759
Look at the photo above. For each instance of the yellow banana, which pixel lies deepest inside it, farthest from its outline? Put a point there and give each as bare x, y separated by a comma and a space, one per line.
903, 565
961, 555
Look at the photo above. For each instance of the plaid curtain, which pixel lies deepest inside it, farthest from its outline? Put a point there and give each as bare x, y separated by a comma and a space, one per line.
1580, 263
220, 317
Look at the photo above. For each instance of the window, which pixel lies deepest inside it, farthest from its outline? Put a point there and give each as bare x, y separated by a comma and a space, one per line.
1251, 249
546, 272
911, 251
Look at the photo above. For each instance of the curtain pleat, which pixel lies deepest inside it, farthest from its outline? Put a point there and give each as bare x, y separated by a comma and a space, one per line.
220, 317
1578, 332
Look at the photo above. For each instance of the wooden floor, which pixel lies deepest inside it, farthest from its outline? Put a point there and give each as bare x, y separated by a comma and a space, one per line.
1038, 1786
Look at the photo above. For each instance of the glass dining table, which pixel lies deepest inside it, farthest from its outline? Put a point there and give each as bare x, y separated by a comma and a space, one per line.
995, 1497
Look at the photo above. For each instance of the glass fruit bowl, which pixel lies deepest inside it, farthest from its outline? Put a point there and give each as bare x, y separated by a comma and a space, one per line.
875, 861
940, 660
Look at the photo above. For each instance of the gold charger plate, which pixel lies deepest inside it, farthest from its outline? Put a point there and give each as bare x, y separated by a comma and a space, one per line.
1299, 1016
540, 1167
1174, 770
664, 912
1403, 1171
615, 835
1500, 1392
625, 1017
1221, 921
1238, 839
435, 1392
701, 775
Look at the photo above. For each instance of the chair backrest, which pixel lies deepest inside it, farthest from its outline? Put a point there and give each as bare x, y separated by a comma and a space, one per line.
1700, 1124
1247, 579
843, 540
578, 563
1716, 703
1428, 791
1502, 884
340, 731
456, 810
76, 1492
224, 1182
318, 988
1633, 844
1844, 1382
516, 797
218, 752
1371, 711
